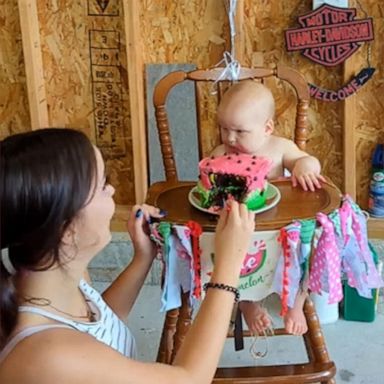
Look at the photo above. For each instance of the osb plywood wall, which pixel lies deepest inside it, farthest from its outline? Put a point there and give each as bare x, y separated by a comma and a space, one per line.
369, 110
187, 32
78, 39
85, 69
184, 31
265, 23
85, 73
14, 115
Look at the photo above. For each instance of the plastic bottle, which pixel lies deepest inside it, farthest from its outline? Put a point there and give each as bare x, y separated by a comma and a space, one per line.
376, 190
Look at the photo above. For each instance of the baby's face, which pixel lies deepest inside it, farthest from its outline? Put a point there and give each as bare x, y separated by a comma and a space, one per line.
242, 130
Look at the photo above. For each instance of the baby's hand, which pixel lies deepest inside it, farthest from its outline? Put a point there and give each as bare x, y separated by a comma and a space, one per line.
138, 228
306, 172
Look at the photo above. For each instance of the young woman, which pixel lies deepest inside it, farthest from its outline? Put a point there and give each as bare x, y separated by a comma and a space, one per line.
56, 208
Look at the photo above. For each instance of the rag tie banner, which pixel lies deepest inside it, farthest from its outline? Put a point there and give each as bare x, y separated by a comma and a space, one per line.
317, 254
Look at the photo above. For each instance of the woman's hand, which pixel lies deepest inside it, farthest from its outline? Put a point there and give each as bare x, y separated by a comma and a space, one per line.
138, 228
232, 239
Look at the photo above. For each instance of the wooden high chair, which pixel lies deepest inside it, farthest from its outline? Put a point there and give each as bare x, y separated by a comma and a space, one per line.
172, 195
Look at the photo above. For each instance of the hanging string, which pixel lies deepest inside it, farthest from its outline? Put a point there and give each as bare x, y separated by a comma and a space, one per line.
231, 70
231, 11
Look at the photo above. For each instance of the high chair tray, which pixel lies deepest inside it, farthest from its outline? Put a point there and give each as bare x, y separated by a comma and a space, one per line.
295, 203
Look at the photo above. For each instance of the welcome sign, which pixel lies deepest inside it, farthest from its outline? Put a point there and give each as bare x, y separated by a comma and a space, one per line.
346, 90
259, 266
329, 35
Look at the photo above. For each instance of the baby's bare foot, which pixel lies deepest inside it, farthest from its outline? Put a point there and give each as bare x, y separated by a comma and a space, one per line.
295, 322
255, 316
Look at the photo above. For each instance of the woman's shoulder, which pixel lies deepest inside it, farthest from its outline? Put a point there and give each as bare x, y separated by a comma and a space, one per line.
44, 354
68, 356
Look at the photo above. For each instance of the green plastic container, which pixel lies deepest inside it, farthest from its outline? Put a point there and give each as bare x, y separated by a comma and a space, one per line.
357, 308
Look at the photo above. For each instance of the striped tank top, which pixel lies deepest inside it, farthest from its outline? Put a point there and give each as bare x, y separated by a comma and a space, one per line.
107, 328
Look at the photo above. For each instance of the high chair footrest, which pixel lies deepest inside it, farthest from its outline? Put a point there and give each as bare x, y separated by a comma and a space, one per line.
279, 374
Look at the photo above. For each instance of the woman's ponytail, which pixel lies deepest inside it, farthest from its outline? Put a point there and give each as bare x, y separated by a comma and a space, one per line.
8, 304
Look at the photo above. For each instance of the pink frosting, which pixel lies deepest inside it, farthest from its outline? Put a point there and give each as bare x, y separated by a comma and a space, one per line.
254, 168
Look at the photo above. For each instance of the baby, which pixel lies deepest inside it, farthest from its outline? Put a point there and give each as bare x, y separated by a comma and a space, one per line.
246, 119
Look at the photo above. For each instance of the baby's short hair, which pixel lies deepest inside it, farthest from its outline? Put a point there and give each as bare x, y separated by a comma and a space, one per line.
252, 88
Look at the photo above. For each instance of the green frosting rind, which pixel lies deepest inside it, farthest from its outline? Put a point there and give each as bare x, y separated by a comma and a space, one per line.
254, 200
204, 196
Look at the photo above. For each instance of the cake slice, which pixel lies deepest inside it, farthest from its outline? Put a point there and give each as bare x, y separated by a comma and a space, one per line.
239, 176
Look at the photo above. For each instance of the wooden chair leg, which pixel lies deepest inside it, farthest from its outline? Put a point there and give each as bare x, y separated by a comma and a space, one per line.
331, 381
176, 325
165, 352
178, 321
314, 339
183, 323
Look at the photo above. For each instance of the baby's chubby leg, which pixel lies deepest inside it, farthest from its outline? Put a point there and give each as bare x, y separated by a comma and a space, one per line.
294, 321
255, 316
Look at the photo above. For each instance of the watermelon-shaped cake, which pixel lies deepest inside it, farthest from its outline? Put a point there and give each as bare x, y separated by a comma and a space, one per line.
239, 176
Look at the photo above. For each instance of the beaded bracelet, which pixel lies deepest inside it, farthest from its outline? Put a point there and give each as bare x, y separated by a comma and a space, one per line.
225, 287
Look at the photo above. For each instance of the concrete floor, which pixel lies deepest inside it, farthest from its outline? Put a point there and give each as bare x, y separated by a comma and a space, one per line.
357, 348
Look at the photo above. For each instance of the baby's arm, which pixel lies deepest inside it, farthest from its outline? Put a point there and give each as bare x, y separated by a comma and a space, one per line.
305, 169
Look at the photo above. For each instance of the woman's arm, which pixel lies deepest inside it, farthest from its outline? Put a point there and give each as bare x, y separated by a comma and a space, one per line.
207, 335
122, 293
66, 356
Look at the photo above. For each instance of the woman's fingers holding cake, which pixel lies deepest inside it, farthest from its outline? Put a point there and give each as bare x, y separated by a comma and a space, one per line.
229, 220
233, 211
251, 219
230, 242
247, 217
242, 225
243, 216
243, 210
223, 218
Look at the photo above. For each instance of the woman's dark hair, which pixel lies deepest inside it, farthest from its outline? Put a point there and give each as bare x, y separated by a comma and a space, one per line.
46, 177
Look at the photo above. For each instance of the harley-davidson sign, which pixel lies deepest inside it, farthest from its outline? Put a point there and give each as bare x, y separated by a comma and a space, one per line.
329, 35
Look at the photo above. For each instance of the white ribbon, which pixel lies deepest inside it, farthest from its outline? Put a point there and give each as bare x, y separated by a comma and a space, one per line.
7, 262
231, 70
231, 10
